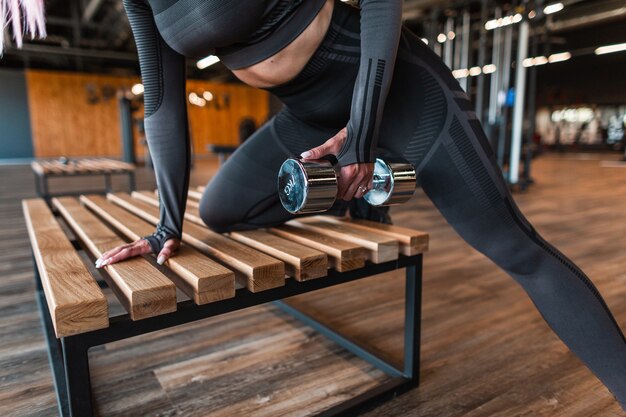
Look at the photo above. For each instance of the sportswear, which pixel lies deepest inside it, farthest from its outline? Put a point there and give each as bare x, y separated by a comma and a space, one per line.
243, 33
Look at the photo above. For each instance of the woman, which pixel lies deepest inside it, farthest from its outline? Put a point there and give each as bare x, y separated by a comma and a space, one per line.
368, 84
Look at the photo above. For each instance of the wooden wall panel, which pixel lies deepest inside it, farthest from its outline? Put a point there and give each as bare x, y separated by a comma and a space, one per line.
65, 123
218, 121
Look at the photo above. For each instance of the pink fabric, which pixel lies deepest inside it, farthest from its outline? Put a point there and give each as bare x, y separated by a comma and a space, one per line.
19, 12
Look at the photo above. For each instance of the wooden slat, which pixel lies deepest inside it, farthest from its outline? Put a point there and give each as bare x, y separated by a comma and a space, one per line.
301, 262
75, 300
196, 195
52, 168
141, 288
343, 255
380, 248
191, 213
81, 166
37, 167
411, 241
256, 270
201, 278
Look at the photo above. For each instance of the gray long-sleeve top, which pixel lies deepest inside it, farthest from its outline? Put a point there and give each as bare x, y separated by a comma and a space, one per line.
241, 33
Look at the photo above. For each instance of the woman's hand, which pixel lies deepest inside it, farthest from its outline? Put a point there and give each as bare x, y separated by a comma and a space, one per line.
354, 179
136, 248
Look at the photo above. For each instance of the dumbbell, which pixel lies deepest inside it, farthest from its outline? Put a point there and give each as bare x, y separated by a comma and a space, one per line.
311, 186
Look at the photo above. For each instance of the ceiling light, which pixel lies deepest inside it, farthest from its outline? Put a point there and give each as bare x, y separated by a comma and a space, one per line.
137, 89
540, 60
553, 8
208, 96
451, 35
196, 100
489, 68
460, 73
618, 47
441, 38
474, 71
207, 62
503, 21
560, 57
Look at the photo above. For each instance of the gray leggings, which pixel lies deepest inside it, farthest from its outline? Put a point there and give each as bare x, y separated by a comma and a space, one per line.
429, 120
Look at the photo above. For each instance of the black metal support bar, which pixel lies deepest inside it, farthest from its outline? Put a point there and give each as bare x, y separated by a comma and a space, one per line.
341, 340
401, 380
369, 399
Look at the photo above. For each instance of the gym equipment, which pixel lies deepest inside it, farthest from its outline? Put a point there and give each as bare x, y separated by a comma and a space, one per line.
311, 186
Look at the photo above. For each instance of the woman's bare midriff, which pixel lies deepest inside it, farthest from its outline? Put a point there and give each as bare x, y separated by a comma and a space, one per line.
289, 61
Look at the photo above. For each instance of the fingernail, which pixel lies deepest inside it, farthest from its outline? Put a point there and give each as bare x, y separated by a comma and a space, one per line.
105, 263
98, 262
161, 259
305, 154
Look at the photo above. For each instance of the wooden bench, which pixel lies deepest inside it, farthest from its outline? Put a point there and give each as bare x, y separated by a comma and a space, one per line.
44, 170
215, 273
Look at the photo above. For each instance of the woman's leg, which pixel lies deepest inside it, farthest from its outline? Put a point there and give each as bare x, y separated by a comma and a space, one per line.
243, 194
457, 170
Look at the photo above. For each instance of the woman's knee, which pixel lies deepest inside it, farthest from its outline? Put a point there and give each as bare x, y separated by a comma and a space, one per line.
217, 214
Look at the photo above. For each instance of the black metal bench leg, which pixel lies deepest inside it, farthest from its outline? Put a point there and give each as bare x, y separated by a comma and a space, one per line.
107, 183
55, 357
44, 187
37, 185
131, 181
412, 321
76, 358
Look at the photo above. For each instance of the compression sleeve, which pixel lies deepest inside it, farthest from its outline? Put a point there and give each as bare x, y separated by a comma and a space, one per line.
380, 35
166, 125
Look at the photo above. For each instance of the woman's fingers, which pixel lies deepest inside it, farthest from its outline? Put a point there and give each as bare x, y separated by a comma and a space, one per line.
351, 178
169, 248
361, 190
138, 247
351, 190
316, 153
331, 147
106, 255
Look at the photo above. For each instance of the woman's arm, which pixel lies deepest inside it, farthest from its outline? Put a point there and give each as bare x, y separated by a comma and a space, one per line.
355, 145
381, 22
167, 131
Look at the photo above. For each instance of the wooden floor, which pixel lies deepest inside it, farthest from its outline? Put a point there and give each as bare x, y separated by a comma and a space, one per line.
485, 351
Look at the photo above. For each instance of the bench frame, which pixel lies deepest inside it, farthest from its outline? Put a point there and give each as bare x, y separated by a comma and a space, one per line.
42, 182
69, 356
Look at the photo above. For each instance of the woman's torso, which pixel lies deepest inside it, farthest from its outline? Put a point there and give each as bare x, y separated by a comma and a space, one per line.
264, 43
288, 62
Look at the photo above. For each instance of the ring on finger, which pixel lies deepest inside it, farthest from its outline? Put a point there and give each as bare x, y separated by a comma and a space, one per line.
362, 189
